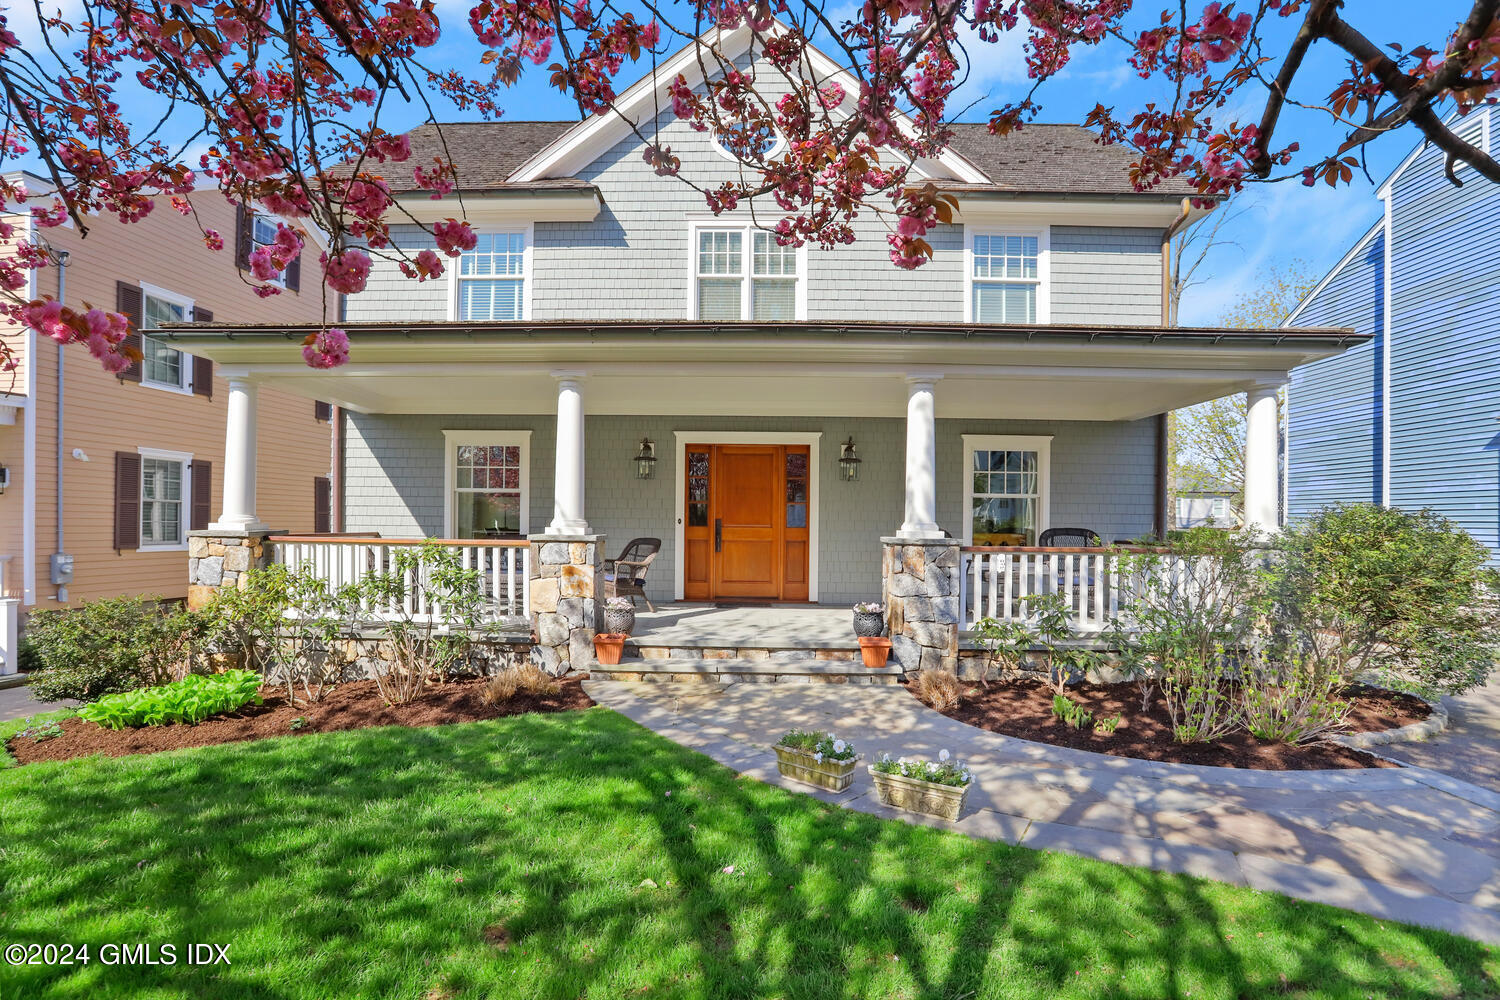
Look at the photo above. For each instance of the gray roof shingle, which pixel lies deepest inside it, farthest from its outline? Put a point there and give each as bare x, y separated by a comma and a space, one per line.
1037, 159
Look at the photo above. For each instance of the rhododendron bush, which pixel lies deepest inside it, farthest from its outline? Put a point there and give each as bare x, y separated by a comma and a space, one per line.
285, 106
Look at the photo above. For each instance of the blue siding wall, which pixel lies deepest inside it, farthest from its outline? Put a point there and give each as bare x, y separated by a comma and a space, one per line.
1334, 405
1445, 346
1444, 355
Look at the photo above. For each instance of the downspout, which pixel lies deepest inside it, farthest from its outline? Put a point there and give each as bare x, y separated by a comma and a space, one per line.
1168, 318
62, 297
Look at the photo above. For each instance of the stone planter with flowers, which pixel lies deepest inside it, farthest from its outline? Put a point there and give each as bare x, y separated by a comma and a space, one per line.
933, 789
816, 758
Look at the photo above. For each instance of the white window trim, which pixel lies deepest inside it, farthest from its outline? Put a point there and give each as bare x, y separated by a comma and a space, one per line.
450, 265
1043, 236
685, 438
186, 458
185, 387
773, 152
503, 438
1039, 443
1481, 139
746, 265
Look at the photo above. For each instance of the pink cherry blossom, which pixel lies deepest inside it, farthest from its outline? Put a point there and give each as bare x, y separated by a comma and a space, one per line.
348, 271
326, 349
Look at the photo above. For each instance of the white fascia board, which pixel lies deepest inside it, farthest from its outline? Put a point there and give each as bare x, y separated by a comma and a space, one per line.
577, 205
1360, 244
584, 142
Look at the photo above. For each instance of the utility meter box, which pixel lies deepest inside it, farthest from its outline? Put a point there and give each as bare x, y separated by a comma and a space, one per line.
62, 568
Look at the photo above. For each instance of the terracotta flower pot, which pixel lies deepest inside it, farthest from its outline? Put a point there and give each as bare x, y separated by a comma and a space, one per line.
834, 775
608, 646
874, 649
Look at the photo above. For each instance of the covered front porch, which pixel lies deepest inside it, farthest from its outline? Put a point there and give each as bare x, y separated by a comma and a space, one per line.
795, 463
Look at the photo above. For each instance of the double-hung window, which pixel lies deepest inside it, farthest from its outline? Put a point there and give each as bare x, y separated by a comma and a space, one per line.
492, 278
164, 366
744, 274
487, 476
164, 485
1006, 279
1007, 488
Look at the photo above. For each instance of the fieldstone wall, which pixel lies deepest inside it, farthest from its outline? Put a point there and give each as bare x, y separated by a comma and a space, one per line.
565, 589
919, 584
221, 559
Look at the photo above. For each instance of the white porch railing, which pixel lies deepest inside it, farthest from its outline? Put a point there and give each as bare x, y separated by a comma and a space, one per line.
1096, 584
504, 569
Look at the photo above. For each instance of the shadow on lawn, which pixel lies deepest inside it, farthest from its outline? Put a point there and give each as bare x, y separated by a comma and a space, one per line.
508, 857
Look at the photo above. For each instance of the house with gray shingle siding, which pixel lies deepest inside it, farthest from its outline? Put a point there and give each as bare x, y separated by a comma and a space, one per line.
613, 361
1409, 418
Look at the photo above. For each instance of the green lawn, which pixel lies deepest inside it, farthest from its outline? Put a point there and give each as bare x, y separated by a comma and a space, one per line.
579, 855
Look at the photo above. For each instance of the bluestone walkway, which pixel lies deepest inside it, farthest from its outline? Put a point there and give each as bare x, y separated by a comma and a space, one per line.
1407, 844
1470, 747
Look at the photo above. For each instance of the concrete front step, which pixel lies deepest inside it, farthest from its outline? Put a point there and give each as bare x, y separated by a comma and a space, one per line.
730, 670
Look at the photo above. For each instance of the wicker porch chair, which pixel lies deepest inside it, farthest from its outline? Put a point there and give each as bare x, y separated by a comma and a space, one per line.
1083, 538
625, 576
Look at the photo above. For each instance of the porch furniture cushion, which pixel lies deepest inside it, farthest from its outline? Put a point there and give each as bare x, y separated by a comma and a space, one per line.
1085, 538
625, 575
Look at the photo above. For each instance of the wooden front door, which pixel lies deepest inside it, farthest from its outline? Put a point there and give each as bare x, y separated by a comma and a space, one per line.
746, 532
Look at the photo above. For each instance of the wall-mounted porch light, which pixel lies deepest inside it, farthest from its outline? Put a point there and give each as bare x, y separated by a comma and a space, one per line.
645, 460
848, 461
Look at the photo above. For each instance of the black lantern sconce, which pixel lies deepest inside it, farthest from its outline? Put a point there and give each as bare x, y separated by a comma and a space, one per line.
645, 460
848, 461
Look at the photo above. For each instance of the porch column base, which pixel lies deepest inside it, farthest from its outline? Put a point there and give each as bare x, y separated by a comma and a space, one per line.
565, 588
920, 588
222, 557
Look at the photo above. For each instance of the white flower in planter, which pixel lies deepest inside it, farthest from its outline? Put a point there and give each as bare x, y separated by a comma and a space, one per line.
839, 746
818, 756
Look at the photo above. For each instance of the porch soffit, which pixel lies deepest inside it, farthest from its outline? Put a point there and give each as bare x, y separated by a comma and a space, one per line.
796, 370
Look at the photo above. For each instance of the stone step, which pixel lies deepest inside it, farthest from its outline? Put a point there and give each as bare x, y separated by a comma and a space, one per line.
727, 670
645, 649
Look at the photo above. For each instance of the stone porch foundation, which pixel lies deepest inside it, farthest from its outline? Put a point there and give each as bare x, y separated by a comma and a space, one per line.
565, 588
920, 588
219, 559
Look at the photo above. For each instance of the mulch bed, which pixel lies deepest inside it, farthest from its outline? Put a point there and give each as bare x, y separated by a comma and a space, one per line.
1023, 708
355, 705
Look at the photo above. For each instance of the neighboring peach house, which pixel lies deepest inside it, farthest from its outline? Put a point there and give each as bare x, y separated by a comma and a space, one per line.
140, 460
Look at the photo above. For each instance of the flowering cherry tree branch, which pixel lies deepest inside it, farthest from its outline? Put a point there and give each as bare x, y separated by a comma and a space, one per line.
134, 105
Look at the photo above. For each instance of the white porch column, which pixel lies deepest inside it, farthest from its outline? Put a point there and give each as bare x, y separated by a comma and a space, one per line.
1261, 458
567, 502
238, 511
921, 459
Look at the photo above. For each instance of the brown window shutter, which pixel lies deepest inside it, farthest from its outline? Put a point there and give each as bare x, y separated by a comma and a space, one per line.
203, 494
127, 500
203, 377
293, 274
322, 411
322, 504
244, 232
129, 302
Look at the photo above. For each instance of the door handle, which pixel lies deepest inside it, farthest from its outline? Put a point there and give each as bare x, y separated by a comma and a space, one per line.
718, 534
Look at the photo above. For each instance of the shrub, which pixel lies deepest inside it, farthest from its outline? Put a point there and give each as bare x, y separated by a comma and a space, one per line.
1200, 699
938, 689
944, 772
422, 642
1005, 645
1290, 700
1403, 594
190, 700
1045, 627
28, 659
107, 646
820, 744
287, 624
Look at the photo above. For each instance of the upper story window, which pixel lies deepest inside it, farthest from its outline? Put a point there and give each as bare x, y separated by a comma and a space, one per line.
164, 367
757, 144
492, 278
1005, 278
263, 234
745, 274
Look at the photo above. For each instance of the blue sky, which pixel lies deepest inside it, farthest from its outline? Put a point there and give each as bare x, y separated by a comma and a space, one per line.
1275, 223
